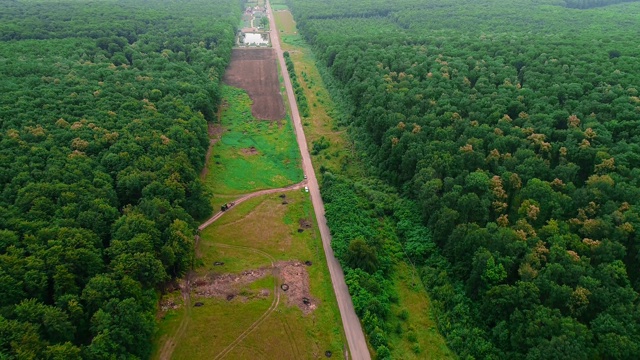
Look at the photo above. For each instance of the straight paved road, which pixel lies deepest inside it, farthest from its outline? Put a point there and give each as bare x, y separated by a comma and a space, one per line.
350, 321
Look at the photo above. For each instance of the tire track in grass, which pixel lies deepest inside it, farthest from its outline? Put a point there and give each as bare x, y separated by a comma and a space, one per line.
262, 318
292, 340
170, 344
246, 197
276, 299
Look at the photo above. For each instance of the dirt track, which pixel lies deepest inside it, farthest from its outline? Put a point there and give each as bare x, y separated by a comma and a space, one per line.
274, 304
352, 328
246, 197
255, 70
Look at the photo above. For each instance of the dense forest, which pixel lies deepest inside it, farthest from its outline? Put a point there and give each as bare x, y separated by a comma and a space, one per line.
103, 133
588, 4
513, 126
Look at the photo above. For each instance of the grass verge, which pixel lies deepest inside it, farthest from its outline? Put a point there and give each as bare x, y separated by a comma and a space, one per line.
416, 334
321, 130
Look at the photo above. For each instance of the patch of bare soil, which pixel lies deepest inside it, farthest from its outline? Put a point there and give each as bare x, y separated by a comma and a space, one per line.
295, 275
249, 151
173, 285
255, 70
230, 286
215, 132
170, 301
305, 223
167, 304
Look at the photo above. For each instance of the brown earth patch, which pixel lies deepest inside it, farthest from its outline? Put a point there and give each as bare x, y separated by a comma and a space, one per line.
166, 305
294, 274
305, 223
256, 71
215, 132
229, 286
249, 151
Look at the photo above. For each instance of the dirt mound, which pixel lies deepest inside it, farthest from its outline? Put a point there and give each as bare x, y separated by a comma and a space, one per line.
294, 274
226, 285
168, 304
255, 70
249, 151
305, 223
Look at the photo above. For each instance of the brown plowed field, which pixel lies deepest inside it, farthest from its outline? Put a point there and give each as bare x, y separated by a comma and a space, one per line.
255, 70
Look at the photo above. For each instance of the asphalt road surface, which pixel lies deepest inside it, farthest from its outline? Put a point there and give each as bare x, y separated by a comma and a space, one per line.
350, 321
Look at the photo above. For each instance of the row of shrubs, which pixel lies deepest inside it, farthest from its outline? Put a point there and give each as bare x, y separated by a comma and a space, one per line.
301, 99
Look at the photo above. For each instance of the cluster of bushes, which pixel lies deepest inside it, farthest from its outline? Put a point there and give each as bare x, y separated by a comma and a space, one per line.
364, 248
103, 133
301, 99
319, 145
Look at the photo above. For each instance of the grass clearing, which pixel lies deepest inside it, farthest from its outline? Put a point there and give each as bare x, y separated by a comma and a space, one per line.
284, 22
287, 328
265, 224
235, 260
252, 154
169, 322
261, 224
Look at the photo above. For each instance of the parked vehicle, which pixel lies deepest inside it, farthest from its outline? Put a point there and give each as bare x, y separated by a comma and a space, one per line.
226, 206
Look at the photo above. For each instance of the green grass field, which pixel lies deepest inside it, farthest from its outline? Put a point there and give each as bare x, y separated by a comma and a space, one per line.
266, 224
285, 24
252, 154
216, 324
